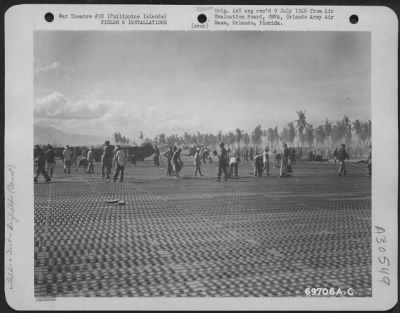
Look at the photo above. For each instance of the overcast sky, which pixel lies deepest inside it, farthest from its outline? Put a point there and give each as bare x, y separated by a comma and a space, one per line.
171, 82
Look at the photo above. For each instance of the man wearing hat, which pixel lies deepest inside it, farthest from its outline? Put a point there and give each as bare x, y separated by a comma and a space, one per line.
83, 159
197, 162
168, 154
222, 162
90, 161
120, 161
106, 160
176, 162
342, 155
67, 156
40, 160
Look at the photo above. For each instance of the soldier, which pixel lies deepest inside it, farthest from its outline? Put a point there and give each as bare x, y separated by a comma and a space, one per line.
342, 155
234, 165
119, 161
197, 162
258, 165
266, 160
50, 161
369, 160
205, 155
67, 156
251, 154
74, 159
335, 154
177, 162
83, 159
106, 160
246, 154
156, 156
284, 161
168, 155
90, 161
40, 160
292, 155
222, 162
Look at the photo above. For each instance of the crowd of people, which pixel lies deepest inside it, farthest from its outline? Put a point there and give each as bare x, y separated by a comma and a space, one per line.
45, 161
228, 161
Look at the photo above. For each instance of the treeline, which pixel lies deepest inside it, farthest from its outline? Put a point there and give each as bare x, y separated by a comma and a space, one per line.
118, 138
355, 134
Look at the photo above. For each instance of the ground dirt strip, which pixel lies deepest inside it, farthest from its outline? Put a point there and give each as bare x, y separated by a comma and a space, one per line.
196, 237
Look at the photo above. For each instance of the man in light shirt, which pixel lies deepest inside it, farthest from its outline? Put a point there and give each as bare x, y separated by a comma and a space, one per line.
90, 161
67, 156
120, 161
266, 160
234, 165
176, 162
197, 162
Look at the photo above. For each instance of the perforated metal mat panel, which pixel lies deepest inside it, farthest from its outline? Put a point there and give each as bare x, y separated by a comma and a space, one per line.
252, 237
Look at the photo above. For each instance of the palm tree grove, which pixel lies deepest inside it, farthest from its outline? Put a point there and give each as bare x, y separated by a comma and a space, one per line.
321, 139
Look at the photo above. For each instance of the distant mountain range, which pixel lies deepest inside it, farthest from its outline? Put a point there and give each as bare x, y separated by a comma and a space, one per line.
50, 135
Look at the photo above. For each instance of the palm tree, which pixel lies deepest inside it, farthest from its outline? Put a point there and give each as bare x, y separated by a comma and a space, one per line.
291, 133
239, 135
284, 136
328, 132
356, 126
320, 134
213, 140
276, 136
346, 129
161, 138
365, 132
340, 131
271, 137
231, 138
264, 136
246, 139
369, 129
256, 135
219, 136
309, 135
301, 125
187, 138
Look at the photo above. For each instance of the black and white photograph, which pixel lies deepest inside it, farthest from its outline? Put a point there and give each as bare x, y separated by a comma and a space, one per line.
203, 165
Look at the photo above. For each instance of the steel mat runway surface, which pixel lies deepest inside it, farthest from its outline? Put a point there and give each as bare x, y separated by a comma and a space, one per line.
247, 237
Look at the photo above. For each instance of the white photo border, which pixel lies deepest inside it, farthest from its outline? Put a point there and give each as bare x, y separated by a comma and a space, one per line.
20, 23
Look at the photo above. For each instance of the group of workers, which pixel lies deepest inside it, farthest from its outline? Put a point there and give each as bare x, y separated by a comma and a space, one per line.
228, 164
45, 161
